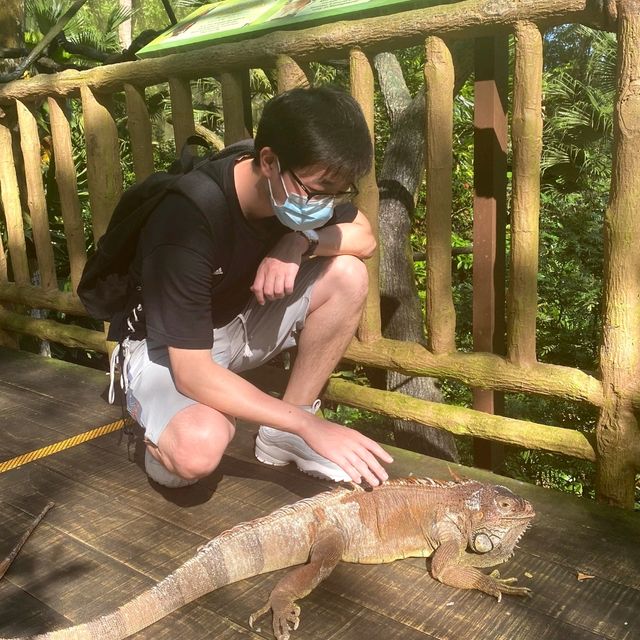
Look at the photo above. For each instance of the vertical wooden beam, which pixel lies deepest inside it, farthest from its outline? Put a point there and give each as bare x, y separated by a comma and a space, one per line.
16, 244
68, 189
362, 89
30, 145
289, 74
439, 80
181, 111
617, 433
4, 272
236, 106
104, 172
489, 221
527, 151
139, 127
6, 339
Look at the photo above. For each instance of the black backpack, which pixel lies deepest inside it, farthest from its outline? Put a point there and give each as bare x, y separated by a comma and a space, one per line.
106, 287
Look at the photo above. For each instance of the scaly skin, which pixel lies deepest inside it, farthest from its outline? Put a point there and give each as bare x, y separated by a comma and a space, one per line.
462, 525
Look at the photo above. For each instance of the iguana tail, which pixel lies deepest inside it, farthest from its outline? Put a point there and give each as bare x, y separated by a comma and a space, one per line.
276, 541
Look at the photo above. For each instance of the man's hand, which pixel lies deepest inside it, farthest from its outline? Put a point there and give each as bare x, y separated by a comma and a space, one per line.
277, 273
352, 451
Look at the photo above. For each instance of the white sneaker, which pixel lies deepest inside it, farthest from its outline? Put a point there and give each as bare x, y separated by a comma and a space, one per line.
279, 448
160, 474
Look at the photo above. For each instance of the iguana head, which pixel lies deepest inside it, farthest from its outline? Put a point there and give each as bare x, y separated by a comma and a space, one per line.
498, 519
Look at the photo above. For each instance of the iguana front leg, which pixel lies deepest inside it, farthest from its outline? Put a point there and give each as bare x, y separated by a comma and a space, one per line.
324, 556
449, 567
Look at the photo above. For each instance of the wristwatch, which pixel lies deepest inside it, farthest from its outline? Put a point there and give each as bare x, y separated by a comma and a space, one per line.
312, 238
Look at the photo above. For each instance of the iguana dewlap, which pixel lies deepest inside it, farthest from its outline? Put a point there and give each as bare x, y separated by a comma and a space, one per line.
461, 525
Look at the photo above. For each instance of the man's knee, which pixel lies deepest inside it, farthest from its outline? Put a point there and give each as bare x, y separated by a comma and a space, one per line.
195, 441
348, 274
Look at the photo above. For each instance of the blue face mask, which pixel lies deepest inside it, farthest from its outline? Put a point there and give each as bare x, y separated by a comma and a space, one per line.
298, 214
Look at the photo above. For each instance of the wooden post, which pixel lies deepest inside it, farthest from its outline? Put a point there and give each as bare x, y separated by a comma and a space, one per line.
236, 106
181, 111
4, 273
439, 79
30, 145
104, 172
139, 127
68, 190
489, 220
362, 89
618, 438
12, 208
6, 339
527, 150
290, 74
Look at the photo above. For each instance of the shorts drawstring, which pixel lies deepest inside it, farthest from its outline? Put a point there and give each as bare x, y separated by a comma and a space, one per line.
121, 349
247, 349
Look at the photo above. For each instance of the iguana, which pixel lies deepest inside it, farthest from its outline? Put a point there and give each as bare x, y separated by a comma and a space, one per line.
461, 524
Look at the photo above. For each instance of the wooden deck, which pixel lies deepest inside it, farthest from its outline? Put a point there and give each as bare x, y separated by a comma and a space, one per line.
113, 533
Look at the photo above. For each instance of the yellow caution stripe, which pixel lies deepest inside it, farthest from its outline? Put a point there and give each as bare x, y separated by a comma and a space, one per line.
25, 458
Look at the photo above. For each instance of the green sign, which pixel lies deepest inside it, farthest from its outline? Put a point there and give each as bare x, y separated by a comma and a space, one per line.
235, 19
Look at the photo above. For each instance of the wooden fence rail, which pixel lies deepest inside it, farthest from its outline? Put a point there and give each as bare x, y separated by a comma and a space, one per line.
614, 391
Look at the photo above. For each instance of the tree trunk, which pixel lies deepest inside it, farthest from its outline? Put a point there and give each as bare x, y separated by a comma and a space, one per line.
125, 29
11, 32
399, 181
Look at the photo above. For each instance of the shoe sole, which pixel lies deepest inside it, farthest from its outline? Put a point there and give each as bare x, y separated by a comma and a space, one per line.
274, 457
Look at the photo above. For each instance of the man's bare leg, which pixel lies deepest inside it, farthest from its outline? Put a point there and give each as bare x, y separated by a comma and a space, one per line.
194, 441
336, 305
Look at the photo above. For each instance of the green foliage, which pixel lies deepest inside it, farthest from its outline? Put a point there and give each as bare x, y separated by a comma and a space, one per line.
87, 29
578, 99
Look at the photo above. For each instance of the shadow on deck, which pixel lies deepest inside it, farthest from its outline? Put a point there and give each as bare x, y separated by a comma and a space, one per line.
112, 533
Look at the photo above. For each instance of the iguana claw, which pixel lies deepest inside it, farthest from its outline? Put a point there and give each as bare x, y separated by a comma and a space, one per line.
504, 585
286, 617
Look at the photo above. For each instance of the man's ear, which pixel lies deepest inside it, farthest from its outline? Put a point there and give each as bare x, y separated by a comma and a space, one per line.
268, 162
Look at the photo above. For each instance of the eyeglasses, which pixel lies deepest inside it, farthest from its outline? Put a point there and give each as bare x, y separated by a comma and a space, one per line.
318, 196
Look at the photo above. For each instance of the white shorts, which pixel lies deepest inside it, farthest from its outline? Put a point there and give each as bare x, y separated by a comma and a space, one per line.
251, 339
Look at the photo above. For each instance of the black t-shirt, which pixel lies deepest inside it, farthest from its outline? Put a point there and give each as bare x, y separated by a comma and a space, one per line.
184, 293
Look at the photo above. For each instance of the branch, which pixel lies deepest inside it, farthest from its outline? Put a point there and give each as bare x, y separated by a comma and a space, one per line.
392, 85
13, 52
45, 42
169, 10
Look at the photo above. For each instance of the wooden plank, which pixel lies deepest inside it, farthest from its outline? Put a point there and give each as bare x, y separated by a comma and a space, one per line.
236, 106
30, 145
489, 222
69, 335
368, 200
617, 428
37, 297
112, 532
139, 127
68, 189
289, 74
181, 111
22, 613
526, 135
4, 273
439, 80
104, 171
469, 18
12, 208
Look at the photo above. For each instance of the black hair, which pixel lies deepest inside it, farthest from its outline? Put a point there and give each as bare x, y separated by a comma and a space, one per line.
319, 126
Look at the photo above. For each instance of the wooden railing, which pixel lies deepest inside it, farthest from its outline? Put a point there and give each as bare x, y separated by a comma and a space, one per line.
615, 446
